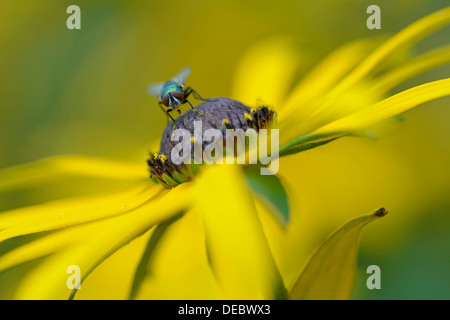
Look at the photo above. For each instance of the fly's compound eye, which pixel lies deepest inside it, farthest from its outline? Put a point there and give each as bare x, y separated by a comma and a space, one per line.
165, 100
178, 95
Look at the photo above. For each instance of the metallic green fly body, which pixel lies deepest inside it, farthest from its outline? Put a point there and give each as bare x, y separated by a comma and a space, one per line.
172, 93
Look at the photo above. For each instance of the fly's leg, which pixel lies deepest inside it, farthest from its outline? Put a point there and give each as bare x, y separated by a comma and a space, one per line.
189, 90
197, 96
194, 109
186, 94
173, 120
166, 111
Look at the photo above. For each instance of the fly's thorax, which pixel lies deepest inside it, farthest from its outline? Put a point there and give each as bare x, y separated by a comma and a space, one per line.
221, 114
171, 90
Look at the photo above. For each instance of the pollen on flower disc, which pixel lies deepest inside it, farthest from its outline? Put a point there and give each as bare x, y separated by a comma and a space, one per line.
212, 114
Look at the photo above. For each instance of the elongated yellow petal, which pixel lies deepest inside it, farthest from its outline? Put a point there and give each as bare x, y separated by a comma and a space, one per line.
49, 279
414, 67
345, 103
384, 109
66, 213
145, 263
324, 77
265, 72
47, 245
33, 173
60, 208
178, 267
387, 108
330, 272
401, 41
354, 92
238, 250
59, 240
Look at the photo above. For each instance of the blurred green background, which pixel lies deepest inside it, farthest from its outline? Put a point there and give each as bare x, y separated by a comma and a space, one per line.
83, 92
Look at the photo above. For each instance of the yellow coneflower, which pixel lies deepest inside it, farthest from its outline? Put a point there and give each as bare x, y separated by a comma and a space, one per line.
342, 96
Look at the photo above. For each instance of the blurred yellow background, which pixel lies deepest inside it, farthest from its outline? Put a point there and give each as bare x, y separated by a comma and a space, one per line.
83, 92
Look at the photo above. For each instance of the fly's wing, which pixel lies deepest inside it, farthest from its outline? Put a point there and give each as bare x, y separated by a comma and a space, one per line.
181, 77
156, 89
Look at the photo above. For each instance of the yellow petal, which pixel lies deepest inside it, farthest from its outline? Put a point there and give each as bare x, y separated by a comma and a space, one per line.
70, 212
142, 271
401, 41
354, 92
237, 247
178, 267
387, 108
47, 245
47, 169
348, 102
414, 67
323, 78
330, 272
265, 72
48, 280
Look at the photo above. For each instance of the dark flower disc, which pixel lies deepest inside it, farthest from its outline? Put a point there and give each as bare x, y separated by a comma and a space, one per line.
215, 113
